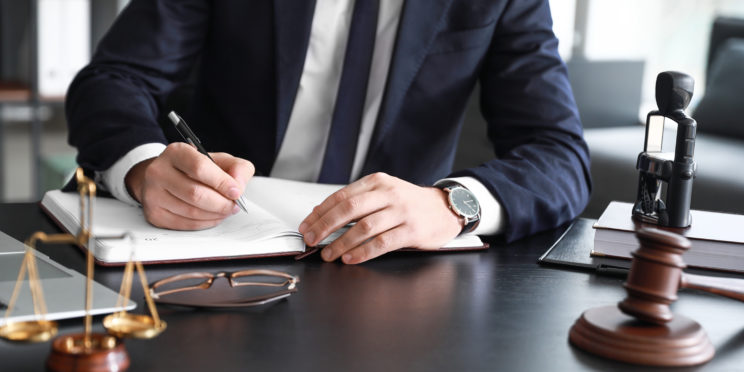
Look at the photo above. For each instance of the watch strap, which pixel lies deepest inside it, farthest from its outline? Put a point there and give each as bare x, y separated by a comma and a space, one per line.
470, 225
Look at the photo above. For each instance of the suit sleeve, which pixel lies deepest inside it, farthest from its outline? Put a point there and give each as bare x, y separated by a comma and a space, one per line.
113, 103
541, 171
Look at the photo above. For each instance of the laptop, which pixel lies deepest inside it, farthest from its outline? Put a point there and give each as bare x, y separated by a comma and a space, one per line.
64, 289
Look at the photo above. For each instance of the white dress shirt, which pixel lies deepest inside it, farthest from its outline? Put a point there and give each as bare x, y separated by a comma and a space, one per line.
301, 153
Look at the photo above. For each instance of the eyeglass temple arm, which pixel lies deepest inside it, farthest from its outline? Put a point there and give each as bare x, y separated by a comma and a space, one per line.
290, 279
196, 275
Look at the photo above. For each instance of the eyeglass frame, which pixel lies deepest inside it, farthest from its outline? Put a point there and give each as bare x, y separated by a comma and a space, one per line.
290, 282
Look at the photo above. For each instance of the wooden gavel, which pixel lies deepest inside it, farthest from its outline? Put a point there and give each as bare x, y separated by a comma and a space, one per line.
656, 275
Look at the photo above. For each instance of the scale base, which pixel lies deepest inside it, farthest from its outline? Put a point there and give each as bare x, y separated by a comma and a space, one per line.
69, 354
608, 332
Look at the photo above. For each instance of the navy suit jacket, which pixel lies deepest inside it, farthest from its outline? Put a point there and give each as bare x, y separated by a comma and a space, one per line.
251, 55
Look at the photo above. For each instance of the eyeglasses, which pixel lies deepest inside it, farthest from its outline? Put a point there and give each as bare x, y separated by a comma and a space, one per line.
240, 289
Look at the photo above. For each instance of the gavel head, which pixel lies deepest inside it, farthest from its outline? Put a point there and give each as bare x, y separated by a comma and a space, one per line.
673, 91
654, 275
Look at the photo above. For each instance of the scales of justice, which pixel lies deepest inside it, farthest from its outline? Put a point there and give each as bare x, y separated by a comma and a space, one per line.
85, 351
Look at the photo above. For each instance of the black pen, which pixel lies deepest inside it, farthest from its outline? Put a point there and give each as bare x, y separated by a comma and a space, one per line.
193, 140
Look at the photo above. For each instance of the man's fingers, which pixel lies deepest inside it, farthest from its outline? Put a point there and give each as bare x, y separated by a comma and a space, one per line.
240, 169
200, 168
364, 184
178, 207
363, 230
408, 216
201, 196
380, 244
168, 178
185, 190
163, 218
343, 198
351, 208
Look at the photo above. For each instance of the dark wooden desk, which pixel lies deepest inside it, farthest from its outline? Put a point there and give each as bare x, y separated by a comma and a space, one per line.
494, 310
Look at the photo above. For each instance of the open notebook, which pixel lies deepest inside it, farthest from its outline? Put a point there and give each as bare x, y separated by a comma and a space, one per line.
275, 209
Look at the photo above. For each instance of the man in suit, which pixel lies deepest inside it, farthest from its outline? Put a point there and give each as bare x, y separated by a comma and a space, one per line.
366, 92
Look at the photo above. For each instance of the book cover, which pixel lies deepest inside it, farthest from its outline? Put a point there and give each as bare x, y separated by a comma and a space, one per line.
573, 249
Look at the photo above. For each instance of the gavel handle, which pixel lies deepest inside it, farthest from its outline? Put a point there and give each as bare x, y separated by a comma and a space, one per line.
727, 287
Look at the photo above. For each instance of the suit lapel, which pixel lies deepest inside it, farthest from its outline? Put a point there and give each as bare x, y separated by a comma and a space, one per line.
293, 21
419, 22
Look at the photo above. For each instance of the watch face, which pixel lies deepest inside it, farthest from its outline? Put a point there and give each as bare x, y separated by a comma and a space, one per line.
464, 202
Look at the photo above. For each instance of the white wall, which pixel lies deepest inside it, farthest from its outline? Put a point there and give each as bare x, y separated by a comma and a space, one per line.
564, 13
64, 43
666, 34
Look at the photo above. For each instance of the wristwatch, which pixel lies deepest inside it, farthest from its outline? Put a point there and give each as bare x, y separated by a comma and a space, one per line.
463, 203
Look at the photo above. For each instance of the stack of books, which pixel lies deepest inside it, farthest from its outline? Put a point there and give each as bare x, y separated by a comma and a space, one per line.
717, 238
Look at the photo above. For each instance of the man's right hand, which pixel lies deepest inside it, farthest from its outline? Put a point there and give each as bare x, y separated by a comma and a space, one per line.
183, 190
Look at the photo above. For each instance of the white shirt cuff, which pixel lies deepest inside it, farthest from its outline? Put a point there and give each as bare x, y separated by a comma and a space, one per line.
492, 214
113, 178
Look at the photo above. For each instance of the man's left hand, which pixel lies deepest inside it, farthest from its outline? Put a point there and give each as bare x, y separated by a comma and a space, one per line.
390, 214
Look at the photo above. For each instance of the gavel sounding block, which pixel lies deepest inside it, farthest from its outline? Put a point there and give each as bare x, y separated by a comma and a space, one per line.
608, 332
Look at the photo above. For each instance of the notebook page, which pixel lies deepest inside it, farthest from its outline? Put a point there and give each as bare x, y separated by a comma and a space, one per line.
113, 218
290, 201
